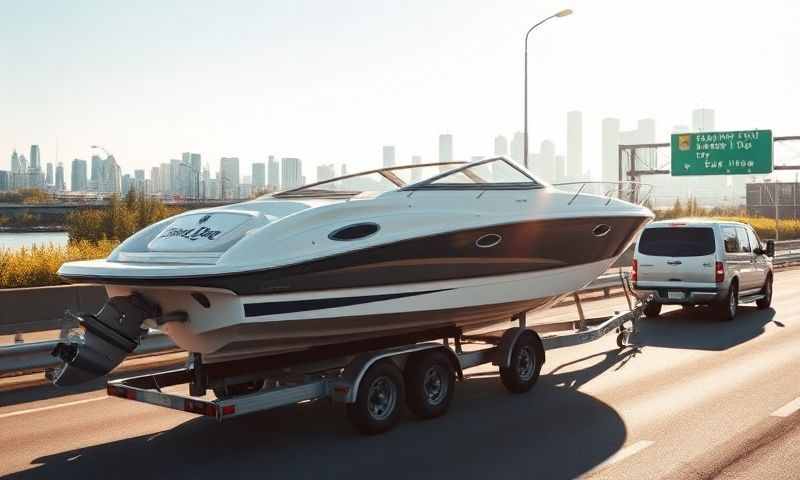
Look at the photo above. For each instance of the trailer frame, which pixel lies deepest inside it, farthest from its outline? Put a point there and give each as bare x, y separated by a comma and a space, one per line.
340, 378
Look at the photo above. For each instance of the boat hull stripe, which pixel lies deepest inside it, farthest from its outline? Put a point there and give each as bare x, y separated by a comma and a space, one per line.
276, 308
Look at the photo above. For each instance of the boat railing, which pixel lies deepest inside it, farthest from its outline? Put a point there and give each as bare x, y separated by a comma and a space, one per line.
634, 192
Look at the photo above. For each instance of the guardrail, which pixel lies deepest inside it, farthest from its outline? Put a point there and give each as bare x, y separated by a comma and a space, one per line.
43, 309
36, 357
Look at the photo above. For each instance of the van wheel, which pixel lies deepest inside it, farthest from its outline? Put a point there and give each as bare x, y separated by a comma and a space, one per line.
726, 310
652, 309
765, 302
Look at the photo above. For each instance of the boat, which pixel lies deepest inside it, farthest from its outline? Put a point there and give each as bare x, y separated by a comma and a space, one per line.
400, 249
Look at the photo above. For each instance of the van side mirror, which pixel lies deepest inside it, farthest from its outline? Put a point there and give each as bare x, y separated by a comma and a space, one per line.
770, 248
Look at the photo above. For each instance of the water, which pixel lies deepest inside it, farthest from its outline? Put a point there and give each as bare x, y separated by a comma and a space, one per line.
15, 241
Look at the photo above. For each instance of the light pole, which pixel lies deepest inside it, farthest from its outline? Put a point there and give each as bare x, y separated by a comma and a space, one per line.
562, 13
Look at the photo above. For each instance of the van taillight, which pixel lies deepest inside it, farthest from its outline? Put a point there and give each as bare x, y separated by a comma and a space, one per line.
719, 272
635, 271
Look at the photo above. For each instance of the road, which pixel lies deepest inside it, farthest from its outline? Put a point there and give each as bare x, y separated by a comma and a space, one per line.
699, 399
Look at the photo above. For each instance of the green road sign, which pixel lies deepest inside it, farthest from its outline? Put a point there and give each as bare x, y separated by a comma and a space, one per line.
722, 153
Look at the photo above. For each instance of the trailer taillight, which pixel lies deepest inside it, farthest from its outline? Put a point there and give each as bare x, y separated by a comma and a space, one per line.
115, 391
228, 410
719, 272
635, 271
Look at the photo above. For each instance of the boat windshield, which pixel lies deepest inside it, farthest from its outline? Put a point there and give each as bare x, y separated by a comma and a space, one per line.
497, 173
381, 180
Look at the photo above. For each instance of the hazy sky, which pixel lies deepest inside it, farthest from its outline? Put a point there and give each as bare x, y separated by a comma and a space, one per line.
332, 81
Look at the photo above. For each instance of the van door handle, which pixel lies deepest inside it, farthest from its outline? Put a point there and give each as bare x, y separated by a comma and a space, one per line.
674, 262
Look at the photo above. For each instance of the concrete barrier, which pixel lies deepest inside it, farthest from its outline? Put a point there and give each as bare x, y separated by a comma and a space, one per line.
26, 310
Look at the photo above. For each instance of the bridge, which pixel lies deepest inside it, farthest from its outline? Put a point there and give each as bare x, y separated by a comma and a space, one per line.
49, 213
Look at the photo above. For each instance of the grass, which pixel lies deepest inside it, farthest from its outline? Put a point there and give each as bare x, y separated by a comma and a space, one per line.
37, 266
788, 229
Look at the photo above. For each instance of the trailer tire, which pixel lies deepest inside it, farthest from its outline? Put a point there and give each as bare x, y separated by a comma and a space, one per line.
379, 399
430, 381
526, 361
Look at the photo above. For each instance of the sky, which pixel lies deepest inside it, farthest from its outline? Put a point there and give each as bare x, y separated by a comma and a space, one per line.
331, 82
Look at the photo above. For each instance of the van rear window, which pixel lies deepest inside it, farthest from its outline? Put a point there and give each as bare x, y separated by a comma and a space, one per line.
677, 242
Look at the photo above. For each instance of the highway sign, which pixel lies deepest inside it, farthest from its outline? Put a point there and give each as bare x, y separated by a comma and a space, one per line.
722, 153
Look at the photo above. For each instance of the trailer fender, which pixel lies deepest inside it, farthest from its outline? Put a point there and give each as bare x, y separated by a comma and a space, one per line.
509, 339
346, 387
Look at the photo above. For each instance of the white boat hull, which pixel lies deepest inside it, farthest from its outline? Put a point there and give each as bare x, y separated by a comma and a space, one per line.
236, 326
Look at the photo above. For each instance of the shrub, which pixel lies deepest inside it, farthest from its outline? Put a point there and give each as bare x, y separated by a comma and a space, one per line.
37, 266
119, 220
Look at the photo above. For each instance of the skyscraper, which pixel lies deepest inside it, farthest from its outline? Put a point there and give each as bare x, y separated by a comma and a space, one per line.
127, 184
416, 173
445, 147
5, 180
703, 120
176, 173
194, 175
545, 165
325, 172
291, 173
229, 178
61, 185
35, 158
165, 174
273, 174
518, 147
500, 145
259, 176
574, 167
78, 181
138, 181
155, 180
388, 156
35, 176
96, 173
189, 175
48, 180
111, 179
610, 148
16, 167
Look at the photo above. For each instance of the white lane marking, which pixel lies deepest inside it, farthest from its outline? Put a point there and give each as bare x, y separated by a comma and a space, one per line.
621, 455
51, 407
787, 409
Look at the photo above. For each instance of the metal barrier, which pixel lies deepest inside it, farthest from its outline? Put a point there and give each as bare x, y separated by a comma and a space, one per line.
47, 304
35, 356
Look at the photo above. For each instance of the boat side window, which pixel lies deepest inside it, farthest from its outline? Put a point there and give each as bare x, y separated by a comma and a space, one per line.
731, 240
743, 240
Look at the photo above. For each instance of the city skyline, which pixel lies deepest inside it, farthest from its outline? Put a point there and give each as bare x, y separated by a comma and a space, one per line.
142, 95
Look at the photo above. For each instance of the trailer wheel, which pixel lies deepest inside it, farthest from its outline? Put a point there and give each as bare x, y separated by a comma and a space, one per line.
430, 382
379, 398
523, 369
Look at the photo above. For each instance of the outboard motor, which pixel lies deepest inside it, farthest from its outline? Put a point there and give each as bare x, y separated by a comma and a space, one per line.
108, 337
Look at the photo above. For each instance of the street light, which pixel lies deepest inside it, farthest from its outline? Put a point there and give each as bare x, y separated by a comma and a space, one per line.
562, 13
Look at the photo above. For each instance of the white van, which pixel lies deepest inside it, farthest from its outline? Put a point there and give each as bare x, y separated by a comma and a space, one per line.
702, 262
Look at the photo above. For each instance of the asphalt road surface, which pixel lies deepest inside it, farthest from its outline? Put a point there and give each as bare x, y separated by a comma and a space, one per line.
699, 399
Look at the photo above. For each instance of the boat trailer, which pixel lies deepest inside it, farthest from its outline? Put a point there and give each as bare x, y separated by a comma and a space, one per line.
372, 378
